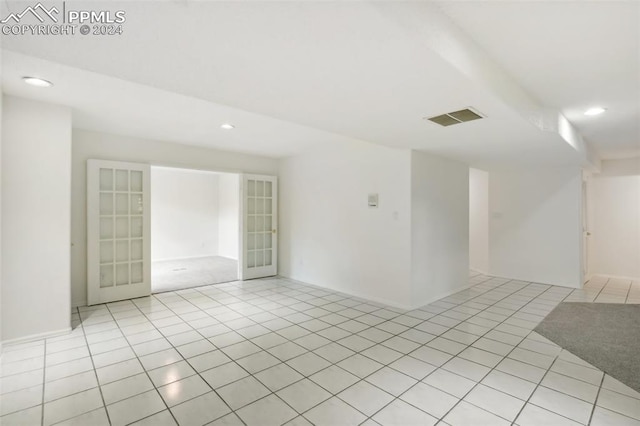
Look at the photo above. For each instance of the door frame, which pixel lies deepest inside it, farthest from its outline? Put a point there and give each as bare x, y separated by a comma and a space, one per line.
92, 252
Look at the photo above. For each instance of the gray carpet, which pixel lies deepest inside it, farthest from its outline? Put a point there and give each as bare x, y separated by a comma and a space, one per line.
606, 335
169, 275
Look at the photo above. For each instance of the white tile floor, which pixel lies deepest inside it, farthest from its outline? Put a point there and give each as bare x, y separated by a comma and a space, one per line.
271, 352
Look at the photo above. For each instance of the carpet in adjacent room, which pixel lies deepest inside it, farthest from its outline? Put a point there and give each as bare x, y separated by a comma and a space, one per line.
606, 335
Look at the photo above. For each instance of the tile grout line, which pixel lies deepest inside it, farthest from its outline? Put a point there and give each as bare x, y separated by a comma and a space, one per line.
628, 292
601, 289
95, 373
534, 391
44, 380
595, 401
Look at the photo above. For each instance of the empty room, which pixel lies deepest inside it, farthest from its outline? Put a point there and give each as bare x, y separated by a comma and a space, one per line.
321, 213
194, 228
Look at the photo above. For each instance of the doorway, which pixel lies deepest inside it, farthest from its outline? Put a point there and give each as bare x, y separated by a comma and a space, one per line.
195, 228
208, 228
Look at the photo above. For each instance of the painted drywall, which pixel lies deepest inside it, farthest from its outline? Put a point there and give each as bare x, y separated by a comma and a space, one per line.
328, 234
228, 215
439, 227
479, 220
36, 195
614, 219
1, 99
88, 145
184, 213
535, 225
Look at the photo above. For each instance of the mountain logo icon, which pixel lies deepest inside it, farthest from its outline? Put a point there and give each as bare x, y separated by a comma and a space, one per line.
39, 11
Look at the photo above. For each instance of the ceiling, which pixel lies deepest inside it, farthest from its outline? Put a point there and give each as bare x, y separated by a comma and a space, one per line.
570, 55
111, 105
293, 74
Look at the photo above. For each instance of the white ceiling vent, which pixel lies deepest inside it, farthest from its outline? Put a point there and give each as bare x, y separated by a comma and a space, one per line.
456, 117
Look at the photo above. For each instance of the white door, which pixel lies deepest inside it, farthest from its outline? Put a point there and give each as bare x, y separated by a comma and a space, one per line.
118, 231
259, 229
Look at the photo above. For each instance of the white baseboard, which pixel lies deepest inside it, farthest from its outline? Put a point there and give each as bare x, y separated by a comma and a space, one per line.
384, 301
617, 277
526, 280
33, 337
442, 296
169, 259
352, 294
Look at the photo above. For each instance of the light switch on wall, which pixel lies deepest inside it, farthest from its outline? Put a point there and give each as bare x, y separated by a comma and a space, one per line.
373, 200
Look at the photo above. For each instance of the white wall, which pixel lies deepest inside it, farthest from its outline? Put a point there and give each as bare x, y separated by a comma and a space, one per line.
184, 213
535, 226
88, 145
479, 220
614, 219
328, 234
1, 99
439, 227
36, 195
228, 215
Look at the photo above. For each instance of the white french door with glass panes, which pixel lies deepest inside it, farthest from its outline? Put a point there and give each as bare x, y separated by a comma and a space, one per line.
118, 231
259, 232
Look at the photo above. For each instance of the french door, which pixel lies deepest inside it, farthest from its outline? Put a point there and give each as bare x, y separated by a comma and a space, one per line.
118, 231
259, 230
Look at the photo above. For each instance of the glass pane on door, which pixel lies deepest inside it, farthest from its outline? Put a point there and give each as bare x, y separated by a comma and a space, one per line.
122, 274
136, 181
106, 228
106, 180
122, 180
136, 273
106, 203
122, 227
106, 275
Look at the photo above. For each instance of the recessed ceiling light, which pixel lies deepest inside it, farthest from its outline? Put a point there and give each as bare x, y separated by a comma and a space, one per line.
595, 111
38, 82
227, 126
